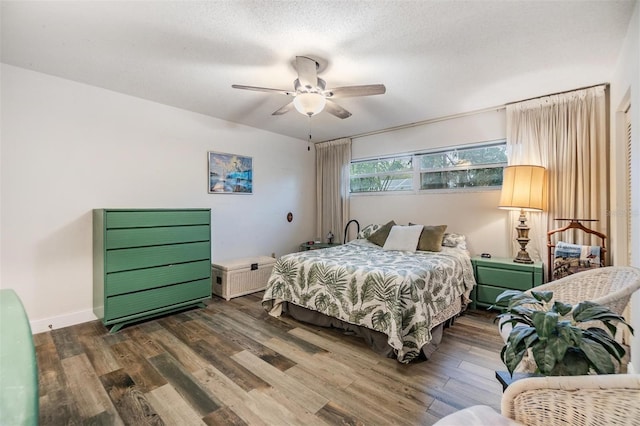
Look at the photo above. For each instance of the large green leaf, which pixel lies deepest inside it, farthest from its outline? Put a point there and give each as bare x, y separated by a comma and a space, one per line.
407, 316
589, 311
511, 357
381, 320
545, 323
598, 357
543, 355
357, 315
561, 308
604, 339
368, 289
322, 302
557, 347
352, 291
573, 364
519, 334
542, 296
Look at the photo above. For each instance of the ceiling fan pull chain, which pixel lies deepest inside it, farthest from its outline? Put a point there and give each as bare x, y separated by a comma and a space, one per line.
309, 142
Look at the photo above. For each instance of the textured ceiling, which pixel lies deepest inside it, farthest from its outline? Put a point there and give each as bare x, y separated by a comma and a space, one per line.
436, 58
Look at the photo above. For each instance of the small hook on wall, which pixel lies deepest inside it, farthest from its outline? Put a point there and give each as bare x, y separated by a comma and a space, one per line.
289, 217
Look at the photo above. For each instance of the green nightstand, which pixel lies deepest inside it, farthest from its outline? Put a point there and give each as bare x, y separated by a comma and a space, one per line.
495, 275
316, 246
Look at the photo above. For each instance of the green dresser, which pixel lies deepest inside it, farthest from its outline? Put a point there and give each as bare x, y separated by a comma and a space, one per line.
149, 262
495, 275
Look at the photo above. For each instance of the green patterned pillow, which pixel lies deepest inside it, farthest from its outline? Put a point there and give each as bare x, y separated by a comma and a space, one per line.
454, 240
380, 236
368, 230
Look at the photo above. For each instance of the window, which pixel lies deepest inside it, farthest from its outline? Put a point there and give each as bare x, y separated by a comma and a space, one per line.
386, 174
463, 168
456, 168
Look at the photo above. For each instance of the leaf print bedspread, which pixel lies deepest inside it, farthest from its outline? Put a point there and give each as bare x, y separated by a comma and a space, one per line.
398, 293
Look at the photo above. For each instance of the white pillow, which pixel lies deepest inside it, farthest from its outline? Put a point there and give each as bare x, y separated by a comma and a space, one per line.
403, 238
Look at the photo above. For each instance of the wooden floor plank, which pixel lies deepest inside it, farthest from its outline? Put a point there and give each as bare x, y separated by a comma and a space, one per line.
131, 404
232, 363
277, 360
185, 384
136, 366
66, 342
91, 398
293, 389
224, 416
240, 375
230, 394
334, 414
172, 408
183, 353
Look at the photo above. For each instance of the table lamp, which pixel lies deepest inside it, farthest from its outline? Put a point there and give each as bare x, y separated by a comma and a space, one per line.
523, 188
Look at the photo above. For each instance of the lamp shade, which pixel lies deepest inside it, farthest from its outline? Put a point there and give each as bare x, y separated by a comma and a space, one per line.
309, 103
523, 188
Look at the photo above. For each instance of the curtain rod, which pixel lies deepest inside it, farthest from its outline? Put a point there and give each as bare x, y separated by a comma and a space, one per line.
606, 85
462, 114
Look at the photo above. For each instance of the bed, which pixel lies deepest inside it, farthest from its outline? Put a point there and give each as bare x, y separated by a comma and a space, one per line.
397, 300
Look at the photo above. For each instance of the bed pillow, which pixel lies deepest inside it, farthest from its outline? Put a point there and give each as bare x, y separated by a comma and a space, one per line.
431, 238
454, 240
403, 238
380, 236
368, 230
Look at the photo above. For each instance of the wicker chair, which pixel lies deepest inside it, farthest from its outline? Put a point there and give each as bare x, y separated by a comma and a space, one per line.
610, 286
609, 399
595, 400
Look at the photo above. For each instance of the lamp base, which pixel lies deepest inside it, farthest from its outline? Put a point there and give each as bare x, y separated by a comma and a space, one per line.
523, 257
523, 240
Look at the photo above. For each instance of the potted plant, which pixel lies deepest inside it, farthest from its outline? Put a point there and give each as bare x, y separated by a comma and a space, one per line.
550, 332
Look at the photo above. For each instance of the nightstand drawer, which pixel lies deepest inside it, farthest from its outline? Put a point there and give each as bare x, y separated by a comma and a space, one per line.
487, 294
495, 275
515, 280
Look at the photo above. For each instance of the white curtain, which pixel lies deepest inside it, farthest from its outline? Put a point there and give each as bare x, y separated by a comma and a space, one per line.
332, 187
567, 134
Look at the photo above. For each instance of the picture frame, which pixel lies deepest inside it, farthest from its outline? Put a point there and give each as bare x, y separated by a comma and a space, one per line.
230, 173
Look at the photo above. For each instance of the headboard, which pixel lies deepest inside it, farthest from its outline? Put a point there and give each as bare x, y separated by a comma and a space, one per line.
573, 224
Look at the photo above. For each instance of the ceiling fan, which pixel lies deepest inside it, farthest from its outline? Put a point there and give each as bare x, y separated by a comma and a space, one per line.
310, 95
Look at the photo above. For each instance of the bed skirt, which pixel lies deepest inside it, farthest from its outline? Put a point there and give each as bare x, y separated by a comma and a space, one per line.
376, 340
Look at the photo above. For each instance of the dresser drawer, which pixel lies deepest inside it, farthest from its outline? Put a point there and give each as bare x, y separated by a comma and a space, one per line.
144, 279
146, 257
117, 307
151, 218
507, 279
141, 237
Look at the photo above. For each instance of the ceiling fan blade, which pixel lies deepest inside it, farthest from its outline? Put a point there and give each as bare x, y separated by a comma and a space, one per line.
335, 109
307, 72
285, 109
351, 91
263, 89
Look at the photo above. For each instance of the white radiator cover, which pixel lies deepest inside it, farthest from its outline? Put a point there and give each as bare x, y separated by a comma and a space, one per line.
238, 277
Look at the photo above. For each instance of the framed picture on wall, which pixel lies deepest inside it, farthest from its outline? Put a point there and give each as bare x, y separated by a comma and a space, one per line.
230, 173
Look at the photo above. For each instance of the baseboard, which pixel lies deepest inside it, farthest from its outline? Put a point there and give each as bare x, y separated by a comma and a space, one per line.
630, 369
48, 324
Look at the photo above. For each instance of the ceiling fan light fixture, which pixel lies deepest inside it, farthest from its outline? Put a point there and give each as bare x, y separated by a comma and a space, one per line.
309, 104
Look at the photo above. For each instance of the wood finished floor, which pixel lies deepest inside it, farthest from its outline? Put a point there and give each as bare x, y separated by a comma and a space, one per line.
232, 364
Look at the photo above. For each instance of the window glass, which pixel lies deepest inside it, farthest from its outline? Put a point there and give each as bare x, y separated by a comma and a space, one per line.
387, 174
456, 168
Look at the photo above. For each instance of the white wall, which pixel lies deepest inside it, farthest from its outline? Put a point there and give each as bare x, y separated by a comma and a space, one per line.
625, 88
474, 214
68, 148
